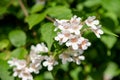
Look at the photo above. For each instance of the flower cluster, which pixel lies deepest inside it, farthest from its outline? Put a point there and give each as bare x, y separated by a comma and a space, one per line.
24, 68
69, 34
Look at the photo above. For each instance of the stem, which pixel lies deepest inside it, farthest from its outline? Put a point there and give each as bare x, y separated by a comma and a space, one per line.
23, 8
86, 29
50, 19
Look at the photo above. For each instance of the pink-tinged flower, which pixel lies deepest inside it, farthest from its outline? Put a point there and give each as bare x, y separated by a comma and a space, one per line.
25, 74
98, 31
19, 64
39, 48
16, 72
63, 37
63, 25
74, 42
35, 67
75, 25
84, 44
13, 62
65, 57
92, 22
49, 63
77, 58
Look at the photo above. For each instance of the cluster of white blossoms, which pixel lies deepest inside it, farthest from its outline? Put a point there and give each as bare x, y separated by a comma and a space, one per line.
24, 68
70, 34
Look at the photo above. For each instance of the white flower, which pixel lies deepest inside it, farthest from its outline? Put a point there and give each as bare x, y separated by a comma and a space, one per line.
35, 67
39, 48
63, 36
65, 57
75, 25
16, 72
62, 25
36, 57
84, 44
19, 64
50, 62
74, 42
12, 62
77, 58
25, 74
91, 22
98, 31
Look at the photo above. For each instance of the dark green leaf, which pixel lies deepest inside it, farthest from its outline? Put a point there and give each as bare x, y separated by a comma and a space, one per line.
17, 38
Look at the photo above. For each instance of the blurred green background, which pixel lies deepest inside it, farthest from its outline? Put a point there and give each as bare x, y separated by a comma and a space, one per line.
20, 29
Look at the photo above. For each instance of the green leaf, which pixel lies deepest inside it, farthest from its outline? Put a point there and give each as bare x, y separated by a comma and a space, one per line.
3, 56
4, 73
37, 7
6, 4
19, 53
111, 71
113, 16
4, 44
74, 73
107, 31
90, 3
108, 40
59, 12
34, 19
48, 33
39, 77
48, 76
17, 38
111, 5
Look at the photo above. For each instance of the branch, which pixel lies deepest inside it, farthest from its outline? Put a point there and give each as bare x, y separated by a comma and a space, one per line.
50, 19
23, 8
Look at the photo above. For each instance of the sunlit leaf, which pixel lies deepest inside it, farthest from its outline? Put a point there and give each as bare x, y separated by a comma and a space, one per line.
34, 19
37, 7
108, 40
4, 44
107, 31
19, 53
111, 71
59, 12
90, 3
4, 73
74, 73
48, 34
48, 75
111, 5
17, 38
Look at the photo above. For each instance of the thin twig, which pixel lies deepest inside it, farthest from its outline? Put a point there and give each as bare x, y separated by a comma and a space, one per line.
49, 18
23, 8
